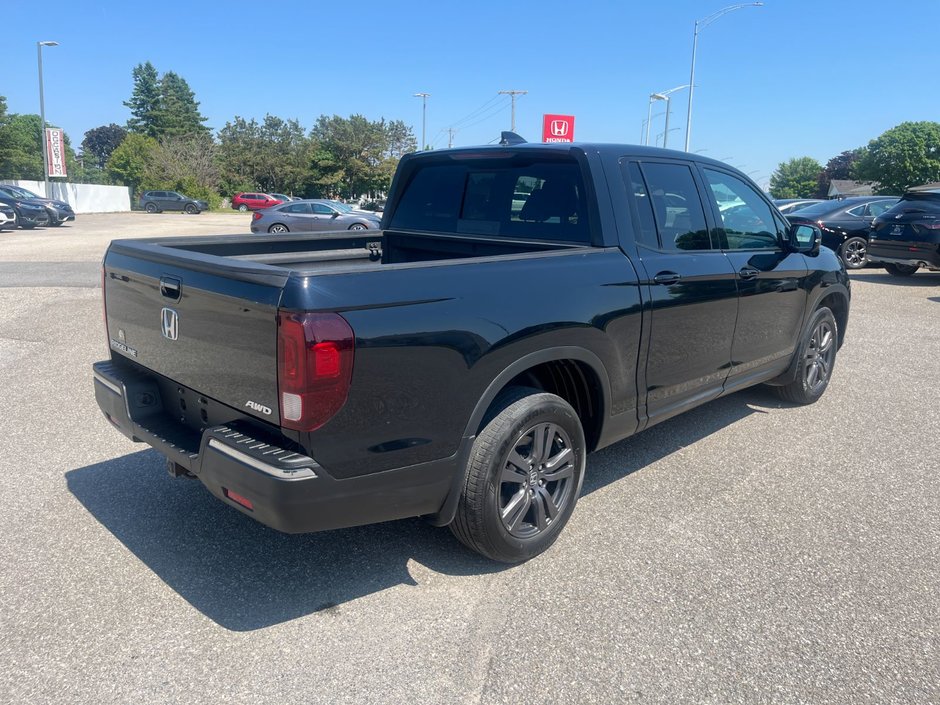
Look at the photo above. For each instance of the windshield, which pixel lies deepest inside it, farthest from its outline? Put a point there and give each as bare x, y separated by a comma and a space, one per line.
18, 192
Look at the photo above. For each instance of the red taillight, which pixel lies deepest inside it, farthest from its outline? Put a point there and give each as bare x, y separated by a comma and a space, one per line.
256, 216
314, 365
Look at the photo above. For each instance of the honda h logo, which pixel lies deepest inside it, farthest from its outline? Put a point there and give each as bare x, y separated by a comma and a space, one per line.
170, 321
559, 128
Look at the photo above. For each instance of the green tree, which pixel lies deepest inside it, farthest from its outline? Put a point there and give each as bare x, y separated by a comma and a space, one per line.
21, 149
796, 178
100, 142
144, 103
271, 156
904, 156
131, 162
177, 113
354, 156
839, 167
185, 163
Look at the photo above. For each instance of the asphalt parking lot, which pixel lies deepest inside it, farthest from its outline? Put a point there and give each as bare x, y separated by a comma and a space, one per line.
745, 552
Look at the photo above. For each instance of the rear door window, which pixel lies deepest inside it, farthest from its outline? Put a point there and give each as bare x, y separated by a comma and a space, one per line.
677, 208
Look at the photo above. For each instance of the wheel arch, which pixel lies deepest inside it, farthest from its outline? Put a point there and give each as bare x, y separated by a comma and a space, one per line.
575, 374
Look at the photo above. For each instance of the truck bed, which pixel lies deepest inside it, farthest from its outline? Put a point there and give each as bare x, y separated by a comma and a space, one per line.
307, 254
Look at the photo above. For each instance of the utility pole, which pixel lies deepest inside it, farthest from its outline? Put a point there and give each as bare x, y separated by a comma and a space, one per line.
512, 95
424, 118
450, 137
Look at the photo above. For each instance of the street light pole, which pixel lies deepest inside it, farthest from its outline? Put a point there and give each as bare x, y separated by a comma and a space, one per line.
424, 118
664, 95
42, 117
702, 24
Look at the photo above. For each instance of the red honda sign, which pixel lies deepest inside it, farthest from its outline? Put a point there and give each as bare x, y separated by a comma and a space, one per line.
558, 128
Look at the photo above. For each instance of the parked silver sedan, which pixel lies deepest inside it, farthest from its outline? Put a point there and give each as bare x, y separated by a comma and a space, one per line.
312, 216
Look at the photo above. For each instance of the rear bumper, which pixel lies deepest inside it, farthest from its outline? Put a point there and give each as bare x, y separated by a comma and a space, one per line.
288, 490
907, 253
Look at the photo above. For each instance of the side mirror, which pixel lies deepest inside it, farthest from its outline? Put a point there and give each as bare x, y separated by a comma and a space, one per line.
805, 238
335, 215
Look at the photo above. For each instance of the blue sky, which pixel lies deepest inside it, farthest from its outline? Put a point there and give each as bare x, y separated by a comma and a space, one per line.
792, 78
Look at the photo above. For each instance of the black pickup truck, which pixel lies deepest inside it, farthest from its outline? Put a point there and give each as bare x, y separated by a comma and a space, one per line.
522, 306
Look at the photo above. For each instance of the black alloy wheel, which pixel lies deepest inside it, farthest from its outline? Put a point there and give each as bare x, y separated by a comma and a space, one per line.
523, 476
537, 480
151, 208
191, 208
855, 253
816, 360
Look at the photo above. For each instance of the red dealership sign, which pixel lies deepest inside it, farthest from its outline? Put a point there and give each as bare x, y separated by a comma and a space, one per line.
55, 152
558, 128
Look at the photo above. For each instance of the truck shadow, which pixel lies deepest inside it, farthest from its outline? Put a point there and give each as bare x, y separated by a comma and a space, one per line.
921, 278
245, 576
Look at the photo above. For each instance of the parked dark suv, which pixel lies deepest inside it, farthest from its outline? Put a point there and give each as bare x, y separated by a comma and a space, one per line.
29, 213
907, 237
159, 201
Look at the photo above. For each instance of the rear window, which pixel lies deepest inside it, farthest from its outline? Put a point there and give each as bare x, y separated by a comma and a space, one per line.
524, 198
926, 202
821, 208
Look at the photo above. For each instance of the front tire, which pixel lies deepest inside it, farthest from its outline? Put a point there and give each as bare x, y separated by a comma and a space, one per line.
191, 209
523, 477
854, 253
278, 228
56, 223
900, 270
358, 226
817, 358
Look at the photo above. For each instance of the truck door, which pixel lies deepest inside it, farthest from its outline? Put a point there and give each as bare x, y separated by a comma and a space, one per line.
691, 286
771, 280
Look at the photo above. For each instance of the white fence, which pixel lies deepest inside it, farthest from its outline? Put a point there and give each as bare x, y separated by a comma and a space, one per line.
84, 198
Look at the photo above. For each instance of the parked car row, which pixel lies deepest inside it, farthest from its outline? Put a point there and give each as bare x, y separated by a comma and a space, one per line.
902, 234
22, 208
845, 224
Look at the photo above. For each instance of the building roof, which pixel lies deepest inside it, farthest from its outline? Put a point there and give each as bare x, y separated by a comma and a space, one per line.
847, 187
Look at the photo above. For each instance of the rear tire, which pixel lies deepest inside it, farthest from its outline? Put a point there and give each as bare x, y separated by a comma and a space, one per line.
816, 360
151, 208
523, 477
900, 270
854, 253
278, 228
242, 207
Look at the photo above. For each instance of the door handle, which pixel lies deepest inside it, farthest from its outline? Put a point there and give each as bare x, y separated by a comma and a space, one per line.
748, 273
667, 278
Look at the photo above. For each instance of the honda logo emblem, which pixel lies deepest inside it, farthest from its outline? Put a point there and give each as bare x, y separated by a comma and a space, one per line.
170, 324
559, 128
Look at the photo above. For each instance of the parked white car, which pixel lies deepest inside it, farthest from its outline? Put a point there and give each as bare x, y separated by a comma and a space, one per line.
7, 217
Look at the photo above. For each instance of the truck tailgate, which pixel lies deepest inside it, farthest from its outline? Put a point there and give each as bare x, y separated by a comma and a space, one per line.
210, 328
